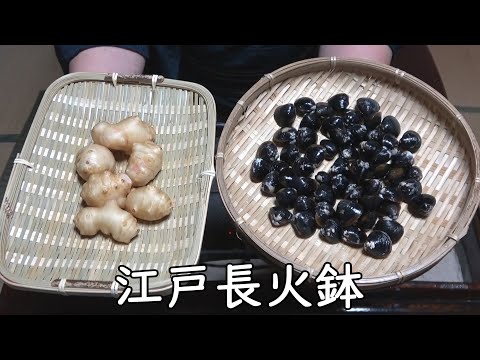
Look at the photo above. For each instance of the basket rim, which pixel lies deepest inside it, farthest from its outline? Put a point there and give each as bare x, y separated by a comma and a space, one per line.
99, 288
401, 77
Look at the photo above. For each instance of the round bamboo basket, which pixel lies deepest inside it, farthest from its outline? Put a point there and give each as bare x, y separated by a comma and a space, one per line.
448, 157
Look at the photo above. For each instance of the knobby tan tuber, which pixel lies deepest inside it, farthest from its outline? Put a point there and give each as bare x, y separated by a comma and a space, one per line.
94, 159
110, 220
113, 204
122, 135
106, 186
148, 203
144, 163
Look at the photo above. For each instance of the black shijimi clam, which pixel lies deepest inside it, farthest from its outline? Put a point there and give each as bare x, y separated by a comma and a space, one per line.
271, 184
304, 224
382, 156
304, 185
324, 193
331, 231
286, 197
390, 125
411, 141
370, 148
306, 137
279, 166
303, 167
304, 203
339, 102
285, 135
403, 159
348, 212
311, 121
340, 183
367, 106
374, 120
290, 153
391, 193
332, 123
323, 178
349, 153
392, 228
390, 209
323, 110
287, 178
339, 166
304, 105
368, 220
341, 137
268, 151
330, 149
351, 117
371, 186
376, 135
353, 192
378, 244
389, 141
279, 216
284, 115
359, 133
259, 169
353, 236
415, 173
323, 212
409, 189
422, 205
370, 202
359, 169
316, 155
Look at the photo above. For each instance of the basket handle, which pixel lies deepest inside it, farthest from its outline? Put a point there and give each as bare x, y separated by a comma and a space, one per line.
116, 78
61, 284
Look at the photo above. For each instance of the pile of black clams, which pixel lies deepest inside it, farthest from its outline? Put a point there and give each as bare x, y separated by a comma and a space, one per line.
357, 201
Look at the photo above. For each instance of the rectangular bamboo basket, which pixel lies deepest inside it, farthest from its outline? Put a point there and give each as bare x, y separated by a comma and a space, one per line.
41, 250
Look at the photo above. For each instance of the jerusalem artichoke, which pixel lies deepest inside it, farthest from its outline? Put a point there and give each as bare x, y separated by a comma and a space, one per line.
148, 203
122, 135
94, 159
106, 186
144, 163
110, 220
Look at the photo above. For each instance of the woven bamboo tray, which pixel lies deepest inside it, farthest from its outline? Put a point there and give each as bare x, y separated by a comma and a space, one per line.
41, 250
449, 158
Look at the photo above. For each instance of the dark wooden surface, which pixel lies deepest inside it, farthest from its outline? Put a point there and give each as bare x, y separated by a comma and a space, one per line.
409, 298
